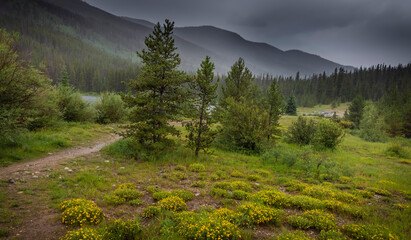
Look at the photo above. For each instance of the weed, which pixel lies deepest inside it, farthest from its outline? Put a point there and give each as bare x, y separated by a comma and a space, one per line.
173, 203
83, 233
196, 167
254, 214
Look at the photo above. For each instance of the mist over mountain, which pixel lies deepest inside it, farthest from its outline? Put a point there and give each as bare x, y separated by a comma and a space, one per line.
95, 44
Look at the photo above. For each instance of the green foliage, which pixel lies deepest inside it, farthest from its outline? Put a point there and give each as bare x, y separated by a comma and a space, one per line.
397, 150
306, 203
181, 193
196, 167
299, 222
180, 168
150, 212
364, 232
240, 195
83, 233
125, 193
291, 108
372, 126
331, 235
272, 198
297, 235
328, 134
155, 97
356, 110
204, 226
302, 131
72, 107
199, 184
26, 98
173, 203
244, 126
320, 220
110, 108
237, 174
200, 133
122, 230
254, 214
81, 212
275, 107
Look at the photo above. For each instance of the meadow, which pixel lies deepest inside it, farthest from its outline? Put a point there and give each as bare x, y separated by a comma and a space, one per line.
361, 190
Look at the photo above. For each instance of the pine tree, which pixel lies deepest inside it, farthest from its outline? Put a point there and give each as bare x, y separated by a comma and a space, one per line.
157, 94
355, 110
291, 108
200, 134
276, 106
64, 79
239, 82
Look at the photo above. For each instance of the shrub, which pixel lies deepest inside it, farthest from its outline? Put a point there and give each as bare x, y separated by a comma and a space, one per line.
226, 214
396, 150
331, 235
81, 212
272, 198
239, 185
180, 168
363, 232
122, 230
128, 194
196, 167
153, 189
343, 208
328, 134
83, 233
219, 193
327, 193
295, 185
73, 107
306, 203
301, 131
320, 220
240, 195
150, 211
253, 214
178, 176
183, 194
237, 174
110, 108
297, 235
127, 186
254, 178
173, 203
299, 222
372, 125
114, 200
204, 226
135, 202
199, 184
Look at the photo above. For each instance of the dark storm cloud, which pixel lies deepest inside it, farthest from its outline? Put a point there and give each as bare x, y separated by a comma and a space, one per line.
355, 32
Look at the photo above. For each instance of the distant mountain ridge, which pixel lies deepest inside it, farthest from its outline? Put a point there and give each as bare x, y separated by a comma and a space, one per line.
122, 37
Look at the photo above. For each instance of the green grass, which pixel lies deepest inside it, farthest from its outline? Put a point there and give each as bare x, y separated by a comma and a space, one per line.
30, 145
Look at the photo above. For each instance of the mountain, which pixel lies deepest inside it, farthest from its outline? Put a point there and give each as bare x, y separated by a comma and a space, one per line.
99, 48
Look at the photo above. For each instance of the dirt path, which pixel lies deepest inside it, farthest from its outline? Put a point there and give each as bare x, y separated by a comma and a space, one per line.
36, 166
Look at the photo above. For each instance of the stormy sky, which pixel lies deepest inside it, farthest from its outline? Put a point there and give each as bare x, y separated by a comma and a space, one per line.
350, 32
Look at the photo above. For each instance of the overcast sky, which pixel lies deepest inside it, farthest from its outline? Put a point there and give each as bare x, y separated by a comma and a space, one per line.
350, 32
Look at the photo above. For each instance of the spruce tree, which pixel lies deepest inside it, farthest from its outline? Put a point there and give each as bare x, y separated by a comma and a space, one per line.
291, 108
200, 134
275, 107
355, 110
157, 94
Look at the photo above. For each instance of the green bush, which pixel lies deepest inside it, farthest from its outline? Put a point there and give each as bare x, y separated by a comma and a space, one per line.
306, 203
151, 211
183, 194
110, 108
372, 126
128, 194
173, 203
254, 177
180, 168
205, 226
301, 131
122, 230
299, 222
254, 214
320, 220
81, 212
73, 107
331, 235
397, 150
272, 198
199, 184
297, 235
328, 134
240, 195
83, 233
364, 232
237, 174
196, 167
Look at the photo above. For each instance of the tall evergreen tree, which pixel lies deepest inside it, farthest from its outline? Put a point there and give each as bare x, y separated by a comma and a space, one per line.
276, 106
157, 94
239, 82
355, 110
291, 108
200, 134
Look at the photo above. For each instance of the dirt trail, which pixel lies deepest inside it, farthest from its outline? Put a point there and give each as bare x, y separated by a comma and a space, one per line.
41, 164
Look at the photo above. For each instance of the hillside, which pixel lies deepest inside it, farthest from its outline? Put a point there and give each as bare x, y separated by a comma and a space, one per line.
99, 48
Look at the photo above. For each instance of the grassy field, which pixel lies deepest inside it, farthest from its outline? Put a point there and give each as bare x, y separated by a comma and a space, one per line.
349, 193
